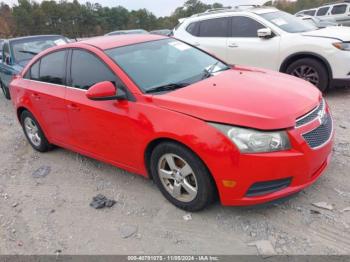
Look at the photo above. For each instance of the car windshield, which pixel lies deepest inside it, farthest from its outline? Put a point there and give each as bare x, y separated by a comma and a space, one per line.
26, 49
166, 62
288, 22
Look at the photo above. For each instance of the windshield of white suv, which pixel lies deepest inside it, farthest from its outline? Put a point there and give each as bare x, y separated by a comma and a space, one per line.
165, 65
288, 22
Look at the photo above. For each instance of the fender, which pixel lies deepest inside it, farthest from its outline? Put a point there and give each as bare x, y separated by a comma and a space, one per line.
295, 56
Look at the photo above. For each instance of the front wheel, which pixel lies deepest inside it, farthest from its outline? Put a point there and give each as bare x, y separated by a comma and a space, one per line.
310, 70
182, 177
5, 90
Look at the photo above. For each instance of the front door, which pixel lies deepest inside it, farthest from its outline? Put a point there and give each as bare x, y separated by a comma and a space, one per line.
103, 128
246, 48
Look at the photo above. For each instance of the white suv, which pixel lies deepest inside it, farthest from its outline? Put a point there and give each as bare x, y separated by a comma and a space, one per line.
269, 38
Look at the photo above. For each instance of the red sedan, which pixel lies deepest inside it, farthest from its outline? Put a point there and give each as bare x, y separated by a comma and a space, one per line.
161, 108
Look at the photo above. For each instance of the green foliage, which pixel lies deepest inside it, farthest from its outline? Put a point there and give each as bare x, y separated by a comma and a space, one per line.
73, 19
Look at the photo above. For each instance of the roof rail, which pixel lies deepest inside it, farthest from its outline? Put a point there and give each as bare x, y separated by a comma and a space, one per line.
227, 9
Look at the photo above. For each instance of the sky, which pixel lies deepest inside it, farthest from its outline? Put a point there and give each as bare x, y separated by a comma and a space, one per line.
158, 7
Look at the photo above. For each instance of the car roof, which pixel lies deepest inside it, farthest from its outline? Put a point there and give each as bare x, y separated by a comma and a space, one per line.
113, 41
34, 37
212, 13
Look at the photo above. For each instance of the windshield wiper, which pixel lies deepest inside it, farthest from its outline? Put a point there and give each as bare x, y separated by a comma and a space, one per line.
28, 52
168, 87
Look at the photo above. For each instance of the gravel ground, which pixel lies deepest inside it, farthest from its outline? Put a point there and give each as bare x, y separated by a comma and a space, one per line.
48, 212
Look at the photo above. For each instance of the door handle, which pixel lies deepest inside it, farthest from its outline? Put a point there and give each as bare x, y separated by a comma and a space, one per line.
196, 44
73, 107
233, 45
36, 96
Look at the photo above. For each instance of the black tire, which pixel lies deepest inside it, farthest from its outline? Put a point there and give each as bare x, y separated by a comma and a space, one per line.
44, 144
320, 69
6, 91
206, 190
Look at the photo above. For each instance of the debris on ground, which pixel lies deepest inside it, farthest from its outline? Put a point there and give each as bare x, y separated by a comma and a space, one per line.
316, 212
342, 126
15, 204
100, 201
187, 217
127, 231
346, 209
264, 248
323, 205
42, 172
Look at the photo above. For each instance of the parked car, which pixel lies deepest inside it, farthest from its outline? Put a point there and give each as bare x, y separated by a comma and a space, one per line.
309, 12
161, 108
17, 52
320, 23
1, 44
128, 32
269, 38
166, 32
340, 12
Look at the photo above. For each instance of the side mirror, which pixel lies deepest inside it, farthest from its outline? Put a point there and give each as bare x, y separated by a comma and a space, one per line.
104, 91
0, 54
265, 33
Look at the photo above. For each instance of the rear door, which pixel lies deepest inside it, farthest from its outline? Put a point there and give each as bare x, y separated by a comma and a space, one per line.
211, 35
246, 48
46, 89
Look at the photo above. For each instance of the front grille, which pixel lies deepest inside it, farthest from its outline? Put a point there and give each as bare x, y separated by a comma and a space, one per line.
262, 188
321, 134
312, 115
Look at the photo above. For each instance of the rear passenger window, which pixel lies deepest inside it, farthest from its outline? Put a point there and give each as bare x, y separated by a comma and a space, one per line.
214, 28
53, 68
339, 9
322, 11
245, 27
193, 28
88, 70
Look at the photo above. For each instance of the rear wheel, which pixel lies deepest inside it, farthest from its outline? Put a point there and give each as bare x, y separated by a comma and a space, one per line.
34, 133
182, 177
310, 70
5, 90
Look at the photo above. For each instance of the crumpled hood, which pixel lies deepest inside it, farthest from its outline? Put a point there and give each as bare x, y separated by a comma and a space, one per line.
253, 98
336, 32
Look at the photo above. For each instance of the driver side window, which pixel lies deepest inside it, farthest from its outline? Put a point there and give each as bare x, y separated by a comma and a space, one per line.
91, 71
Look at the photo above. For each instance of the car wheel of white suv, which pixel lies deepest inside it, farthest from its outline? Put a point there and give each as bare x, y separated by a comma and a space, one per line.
310, 70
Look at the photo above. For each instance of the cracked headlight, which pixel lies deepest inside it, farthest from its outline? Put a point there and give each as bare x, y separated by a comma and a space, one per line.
254, 141
345, 46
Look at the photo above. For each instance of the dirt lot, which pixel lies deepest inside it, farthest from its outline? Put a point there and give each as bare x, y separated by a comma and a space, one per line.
51, 214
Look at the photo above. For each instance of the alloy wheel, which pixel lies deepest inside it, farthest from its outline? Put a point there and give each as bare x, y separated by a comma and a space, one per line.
32, 131
177, 177
307, 73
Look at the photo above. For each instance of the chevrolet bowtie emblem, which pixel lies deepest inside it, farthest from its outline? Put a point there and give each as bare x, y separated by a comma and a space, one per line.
322, 117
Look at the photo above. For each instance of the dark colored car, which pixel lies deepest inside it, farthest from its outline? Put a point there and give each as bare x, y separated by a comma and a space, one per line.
17, 52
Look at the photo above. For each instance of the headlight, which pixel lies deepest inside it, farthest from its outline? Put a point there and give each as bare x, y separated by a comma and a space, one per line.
254, 141
345, 46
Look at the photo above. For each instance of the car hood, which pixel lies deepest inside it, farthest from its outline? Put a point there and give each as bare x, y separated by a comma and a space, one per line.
247, 97
336, 32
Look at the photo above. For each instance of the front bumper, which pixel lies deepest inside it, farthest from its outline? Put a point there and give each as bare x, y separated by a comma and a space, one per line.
302, 164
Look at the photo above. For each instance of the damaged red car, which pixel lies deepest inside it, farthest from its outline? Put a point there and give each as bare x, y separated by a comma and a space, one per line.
158, 107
